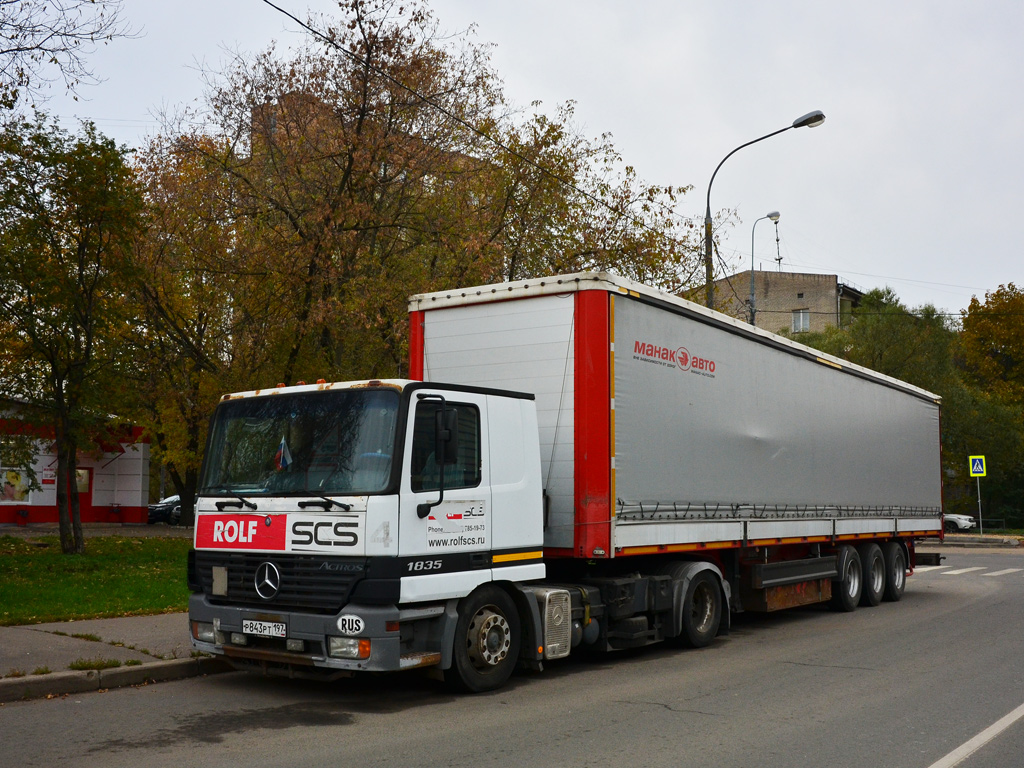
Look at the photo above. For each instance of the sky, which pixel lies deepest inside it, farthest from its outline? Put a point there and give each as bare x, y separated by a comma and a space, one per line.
915, 181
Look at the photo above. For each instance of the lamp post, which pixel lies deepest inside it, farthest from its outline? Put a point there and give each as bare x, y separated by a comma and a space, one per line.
810, 120
774, 216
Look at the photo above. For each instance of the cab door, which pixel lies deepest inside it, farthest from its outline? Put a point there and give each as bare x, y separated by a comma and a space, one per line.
445, 501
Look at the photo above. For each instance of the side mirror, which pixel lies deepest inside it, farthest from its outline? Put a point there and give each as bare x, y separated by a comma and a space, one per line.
446, 436
446, 447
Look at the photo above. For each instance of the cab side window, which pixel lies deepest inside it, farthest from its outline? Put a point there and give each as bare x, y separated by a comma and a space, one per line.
426, 470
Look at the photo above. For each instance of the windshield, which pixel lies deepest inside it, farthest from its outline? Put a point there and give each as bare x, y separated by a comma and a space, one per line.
313, 443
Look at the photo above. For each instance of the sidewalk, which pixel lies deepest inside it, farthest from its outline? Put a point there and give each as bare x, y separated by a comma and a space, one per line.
91, 530
35, 659
972, 540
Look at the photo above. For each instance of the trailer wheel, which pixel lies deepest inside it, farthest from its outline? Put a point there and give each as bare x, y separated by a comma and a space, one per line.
873, 571
487, 638
895, 571
846, 589
702, 610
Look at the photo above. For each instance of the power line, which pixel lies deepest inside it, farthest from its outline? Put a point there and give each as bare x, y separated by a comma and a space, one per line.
861, 313
898, 279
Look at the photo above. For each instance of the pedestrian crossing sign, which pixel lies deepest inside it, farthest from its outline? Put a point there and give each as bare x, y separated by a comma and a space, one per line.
977, 466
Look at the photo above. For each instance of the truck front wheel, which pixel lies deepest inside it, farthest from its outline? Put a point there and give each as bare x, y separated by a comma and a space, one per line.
487, 638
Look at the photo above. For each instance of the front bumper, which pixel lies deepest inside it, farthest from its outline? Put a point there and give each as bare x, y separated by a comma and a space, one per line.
393, 645
961, 527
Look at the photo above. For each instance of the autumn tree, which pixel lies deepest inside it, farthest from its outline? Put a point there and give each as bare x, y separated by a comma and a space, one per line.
45, 40
378, 161
559, 202
202, 303
992, 357
382, 160
69, 211
331, 162
993, 342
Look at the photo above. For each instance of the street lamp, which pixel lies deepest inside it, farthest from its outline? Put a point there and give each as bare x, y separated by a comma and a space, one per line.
810, 120
774, 216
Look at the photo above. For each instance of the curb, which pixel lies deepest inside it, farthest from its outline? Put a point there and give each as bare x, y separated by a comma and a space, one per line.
61, 683
967, 540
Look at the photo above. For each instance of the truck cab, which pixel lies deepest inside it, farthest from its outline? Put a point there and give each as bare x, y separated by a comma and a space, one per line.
338, 525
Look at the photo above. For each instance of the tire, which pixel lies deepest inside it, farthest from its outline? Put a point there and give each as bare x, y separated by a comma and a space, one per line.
895, 571
487, 640
174, 518
873, 574
847, 588
702, 611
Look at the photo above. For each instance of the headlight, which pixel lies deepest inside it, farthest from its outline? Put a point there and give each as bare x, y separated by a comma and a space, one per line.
348, 647
203, 632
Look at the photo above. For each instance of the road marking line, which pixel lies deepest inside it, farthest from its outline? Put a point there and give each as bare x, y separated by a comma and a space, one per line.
926, 568
1003, 573
958, 571
968, 748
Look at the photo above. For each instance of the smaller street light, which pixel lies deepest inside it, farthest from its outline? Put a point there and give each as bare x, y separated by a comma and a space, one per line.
774, 216
810, 120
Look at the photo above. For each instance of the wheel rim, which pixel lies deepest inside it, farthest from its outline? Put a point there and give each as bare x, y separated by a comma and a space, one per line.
702, 609
899, 572
489, 638
852, 579
877, 576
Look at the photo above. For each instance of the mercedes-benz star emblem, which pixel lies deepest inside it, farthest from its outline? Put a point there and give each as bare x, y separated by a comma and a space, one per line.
268, 581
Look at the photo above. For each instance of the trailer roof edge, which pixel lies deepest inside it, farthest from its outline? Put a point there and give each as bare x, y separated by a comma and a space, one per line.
605, 281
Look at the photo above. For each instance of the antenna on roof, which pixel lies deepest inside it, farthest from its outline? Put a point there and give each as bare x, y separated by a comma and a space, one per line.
778, 253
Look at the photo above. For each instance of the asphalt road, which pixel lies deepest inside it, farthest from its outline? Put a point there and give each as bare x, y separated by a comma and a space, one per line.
904, 684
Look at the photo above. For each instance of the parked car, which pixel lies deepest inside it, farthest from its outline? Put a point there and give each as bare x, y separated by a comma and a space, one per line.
166, 511
958, 523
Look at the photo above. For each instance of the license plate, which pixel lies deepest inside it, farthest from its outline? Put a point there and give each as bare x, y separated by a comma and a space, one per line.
264, 628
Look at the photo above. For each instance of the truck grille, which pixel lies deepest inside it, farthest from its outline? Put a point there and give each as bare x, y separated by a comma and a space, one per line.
308, 582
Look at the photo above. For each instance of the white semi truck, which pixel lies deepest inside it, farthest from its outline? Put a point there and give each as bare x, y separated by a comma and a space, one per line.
575, 462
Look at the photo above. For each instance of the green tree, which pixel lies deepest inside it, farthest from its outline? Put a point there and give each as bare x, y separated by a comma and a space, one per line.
69, 211
915, 345
924, 348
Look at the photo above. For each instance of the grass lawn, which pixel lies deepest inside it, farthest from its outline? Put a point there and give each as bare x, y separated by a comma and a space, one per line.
117, 576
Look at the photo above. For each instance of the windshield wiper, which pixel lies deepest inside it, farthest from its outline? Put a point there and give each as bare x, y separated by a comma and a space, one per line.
325, 503
242, 502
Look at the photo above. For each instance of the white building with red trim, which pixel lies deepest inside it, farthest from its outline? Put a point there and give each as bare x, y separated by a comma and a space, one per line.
112, 480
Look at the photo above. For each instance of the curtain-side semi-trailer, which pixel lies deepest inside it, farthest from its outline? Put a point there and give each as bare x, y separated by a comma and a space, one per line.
575, 462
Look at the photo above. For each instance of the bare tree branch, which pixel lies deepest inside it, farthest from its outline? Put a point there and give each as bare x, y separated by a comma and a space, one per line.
45, 41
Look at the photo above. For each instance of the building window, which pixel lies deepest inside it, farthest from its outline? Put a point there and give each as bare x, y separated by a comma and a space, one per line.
801, 320
799, 295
